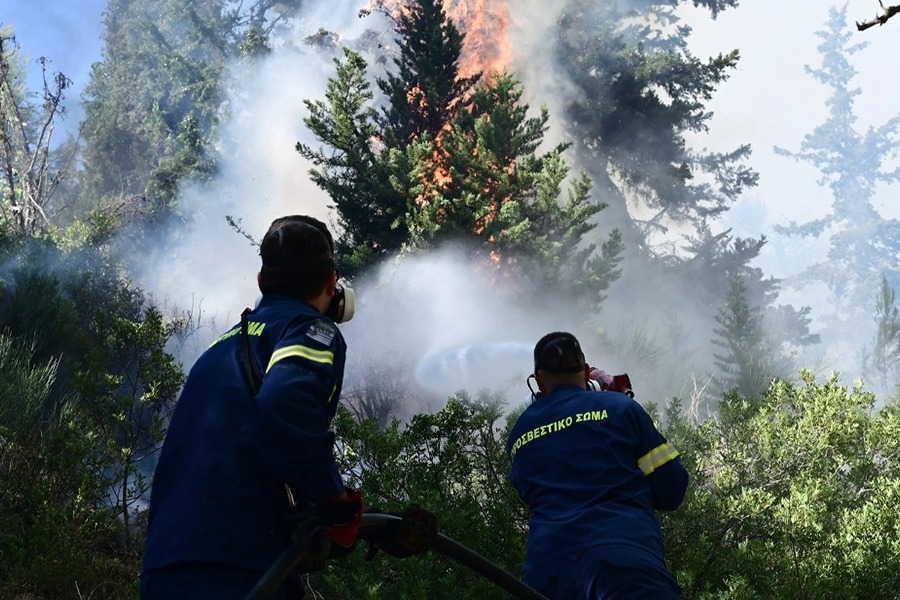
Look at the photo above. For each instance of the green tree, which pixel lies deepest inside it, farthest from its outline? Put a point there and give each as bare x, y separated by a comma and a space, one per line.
640, 91
352, 168
750, 358
425, 92
54, 529
154, 100
369, 159
882, 363
638, 95
503, 198
451, 162
785, 490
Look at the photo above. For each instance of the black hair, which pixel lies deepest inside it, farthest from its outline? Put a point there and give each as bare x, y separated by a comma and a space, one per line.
558, 352
297, 257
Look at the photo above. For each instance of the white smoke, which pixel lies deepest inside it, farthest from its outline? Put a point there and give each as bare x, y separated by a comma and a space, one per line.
210, 270
441, 315
435, 313
429, 311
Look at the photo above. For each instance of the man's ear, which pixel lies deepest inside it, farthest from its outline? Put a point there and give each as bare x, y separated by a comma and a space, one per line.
331, 286
259, 280
540, 381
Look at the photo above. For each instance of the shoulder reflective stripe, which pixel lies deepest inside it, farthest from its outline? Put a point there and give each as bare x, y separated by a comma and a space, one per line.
320, 356
657, 458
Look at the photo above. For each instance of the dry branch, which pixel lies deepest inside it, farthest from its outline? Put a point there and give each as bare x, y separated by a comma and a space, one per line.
889, 12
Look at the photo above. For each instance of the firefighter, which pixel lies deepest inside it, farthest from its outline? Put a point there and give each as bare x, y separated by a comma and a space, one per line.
249, 442
592, 468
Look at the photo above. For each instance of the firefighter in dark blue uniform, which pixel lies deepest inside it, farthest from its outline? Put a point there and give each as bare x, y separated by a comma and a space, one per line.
592, 468
250, 436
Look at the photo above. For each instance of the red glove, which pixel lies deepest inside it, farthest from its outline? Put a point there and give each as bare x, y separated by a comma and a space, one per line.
600, 376
341, 516
616, 383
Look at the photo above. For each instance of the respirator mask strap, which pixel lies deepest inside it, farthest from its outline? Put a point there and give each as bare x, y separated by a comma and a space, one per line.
534, 394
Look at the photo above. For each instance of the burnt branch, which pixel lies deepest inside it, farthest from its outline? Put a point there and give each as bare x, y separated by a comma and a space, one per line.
881, 19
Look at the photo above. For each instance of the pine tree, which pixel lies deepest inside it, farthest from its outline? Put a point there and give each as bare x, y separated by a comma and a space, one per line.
882, 363
751, 357
353, 168
425, 91
450, 160
503, 198
864, 247
154, 100
640, 91
638, 94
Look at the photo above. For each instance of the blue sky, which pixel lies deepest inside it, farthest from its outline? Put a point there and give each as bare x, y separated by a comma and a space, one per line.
65, 31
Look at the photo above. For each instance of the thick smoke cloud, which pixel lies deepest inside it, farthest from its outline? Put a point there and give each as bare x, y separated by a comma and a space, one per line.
437, 316
770, 100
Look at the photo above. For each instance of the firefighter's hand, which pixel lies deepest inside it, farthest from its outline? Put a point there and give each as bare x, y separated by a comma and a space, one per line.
341, 517
412, 535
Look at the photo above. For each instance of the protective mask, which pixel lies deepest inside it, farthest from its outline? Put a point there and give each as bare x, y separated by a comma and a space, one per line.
343, 303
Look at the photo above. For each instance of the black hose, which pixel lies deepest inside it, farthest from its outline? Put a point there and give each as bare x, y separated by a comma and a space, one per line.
372, 524
282, 568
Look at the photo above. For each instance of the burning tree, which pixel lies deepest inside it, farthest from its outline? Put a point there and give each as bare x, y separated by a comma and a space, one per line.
447, 159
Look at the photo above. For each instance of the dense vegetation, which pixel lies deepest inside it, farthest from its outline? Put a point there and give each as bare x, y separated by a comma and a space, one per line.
794, 480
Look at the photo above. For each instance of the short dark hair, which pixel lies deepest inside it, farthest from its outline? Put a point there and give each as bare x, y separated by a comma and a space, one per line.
558, 352
297, 257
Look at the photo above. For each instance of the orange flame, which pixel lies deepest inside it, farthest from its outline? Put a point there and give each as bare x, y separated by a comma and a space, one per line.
485, 23
486, 49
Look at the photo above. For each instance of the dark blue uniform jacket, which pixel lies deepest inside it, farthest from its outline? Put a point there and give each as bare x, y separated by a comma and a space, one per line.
218, 492
592, 468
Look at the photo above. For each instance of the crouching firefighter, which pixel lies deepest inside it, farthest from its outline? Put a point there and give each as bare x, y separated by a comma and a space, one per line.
250, 438
592, 468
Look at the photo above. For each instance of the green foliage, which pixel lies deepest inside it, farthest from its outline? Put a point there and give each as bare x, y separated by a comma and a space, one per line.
786, 492
351, 169
102, 410
493, 191
640, 91
792, 495
452, 463
451, 161
750, 358
883, 361
639, 95
425, 92
54, 533
153, 103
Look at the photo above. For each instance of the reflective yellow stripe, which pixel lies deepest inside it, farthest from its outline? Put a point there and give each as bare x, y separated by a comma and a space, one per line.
326, 357
657, 458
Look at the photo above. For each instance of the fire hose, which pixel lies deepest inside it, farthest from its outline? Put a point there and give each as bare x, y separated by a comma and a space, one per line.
373, 526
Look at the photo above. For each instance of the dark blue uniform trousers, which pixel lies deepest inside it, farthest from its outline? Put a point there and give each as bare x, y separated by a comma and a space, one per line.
206, 581
598, 575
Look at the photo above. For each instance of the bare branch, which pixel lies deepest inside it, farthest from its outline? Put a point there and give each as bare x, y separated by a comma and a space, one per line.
881, 19
27, 175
